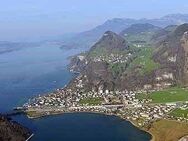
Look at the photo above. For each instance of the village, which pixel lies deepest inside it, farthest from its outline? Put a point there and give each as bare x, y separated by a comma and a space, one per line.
113, 58
120, 103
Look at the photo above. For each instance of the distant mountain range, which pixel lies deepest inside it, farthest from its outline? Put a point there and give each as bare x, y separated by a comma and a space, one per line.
88, 38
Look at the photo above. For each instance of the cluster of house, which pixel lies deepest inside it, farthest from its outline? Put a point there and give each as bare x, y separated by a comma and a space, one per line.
147, 113
61, 98
113, 58
96, 109
122, 103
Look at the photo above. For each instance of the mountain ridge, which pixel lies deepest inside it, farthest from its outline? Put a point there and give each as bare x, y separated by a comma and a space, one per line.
88, 38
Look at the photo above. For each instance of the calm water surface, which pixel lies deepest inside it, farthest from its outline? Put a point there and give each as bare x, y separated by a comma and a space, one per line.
29, 72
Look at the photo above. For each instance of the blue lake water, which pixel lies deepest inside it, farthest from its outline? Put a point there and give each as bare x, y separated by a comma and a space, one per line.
32, 71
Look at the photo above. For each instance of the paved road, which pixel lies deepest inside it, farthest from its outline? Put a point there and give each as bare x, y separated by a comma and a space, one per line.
47, 109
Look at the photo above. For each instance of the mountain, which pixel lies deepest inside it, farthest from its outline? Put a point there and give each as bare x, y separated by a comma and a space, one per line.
171, 53
110, 41
139, 32
139, 28
100, 63
176, 18
161, 34
170, 28
113, 63
88, 38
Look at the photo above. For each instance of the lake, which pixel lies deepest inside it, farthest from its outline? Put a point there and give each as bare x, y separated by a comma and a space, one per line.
29, 72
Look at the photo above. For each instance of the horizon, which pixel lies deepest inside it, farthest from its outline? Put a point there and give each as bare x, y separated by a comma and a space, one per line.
43, 19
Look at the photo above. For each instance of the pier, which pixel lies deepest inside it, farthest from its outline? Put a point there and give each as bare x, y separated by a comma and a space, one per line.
30, 137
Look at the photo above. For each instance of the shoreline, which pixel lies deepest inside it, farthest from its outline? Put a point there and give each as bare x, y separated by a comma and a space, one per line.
154, 135
61, 113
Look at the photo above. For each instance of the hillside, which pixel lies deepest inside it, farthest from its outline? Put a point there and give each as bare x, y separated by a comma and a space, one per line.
139, 33
111, 62
11, 131
171, 53
161, 34
105, 61
109, 42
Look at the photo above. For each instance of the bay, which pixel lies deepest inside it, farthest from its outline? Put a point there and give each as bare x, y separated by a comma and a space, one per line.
32, 71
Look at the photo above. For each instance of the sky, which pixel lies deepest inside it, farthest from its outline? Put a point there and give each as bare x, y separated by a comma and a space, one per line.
32, 19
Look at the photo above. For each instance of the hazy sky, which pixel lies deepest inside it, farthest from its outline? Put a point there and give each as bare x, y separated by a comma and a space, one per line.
23, 19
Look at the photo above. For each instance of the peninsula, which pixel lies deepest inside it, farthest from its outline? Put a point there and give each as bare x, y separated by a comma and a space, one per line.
140, 76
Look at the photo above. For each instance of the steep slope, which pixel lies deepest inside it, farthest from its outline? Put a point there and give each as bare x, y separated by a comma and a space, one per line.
183, 59
170, 45
171, 53
109, 42
161, 34
11, 131
104, 62
170, 28
112, 64
104, 59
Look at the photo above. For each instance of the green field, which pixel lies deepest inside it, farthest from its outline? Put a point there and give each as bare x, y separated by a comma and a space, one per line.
145, 36
91, 101
180, 113
102, 51
165, 96
144, 61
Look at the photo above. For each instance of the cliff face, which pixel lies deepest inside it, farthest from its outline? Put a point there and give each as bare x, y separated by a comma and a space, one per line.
171, 53
11, 131
183, 60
